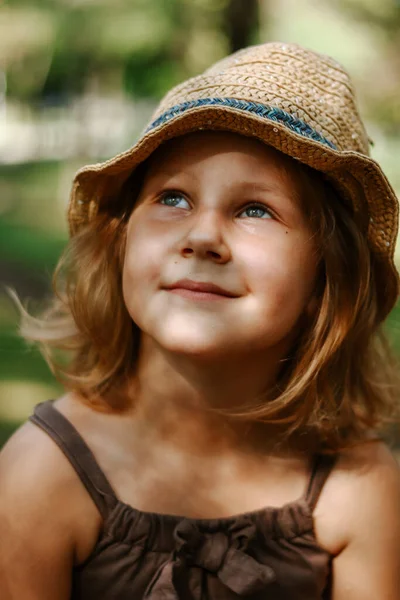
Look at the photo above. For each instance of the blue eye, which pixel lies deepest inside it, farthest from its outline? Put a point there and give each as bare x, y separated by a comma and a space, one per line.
256, 211
174, 199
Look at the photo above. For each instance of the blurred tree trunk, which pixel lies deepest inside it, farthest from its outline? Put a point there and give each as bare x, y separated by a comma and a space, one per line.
241, 22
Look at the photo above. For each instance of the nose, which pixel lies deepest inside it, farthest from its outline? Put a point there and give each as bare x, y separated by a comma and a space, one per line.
205, 238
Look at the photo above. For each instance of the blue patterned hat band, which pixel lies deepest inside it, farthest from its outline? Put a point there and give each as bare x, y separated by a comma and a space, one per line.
253, 108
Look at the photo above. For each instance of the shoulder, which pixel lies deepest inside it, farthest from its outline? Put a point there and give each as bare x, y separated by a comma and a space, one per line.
363, 489
31, 459
358, 521
40, 490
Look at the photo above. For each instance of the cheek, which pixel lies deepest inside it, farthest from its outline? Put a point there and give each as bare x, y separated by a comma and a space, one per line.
284, 272
141, 268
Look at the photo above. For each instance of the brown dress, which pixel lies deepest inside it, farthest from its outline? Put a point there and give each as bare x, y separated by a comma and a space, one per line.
270, 553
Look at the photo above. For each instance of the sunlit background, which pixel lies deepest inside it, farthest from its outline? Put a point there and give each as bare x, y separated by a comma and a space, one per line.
78, 80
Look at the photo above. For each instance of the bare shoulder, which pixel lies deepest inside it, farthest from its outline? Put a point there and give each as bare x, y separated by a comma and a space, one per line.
358, 521
40, 490
363, 488
31, 459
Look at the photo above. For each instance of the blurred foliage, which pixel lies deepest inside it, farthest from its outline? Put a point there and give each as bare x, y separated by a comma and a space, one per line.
55, 51
51, 50
383, 18
145, 45
19, 361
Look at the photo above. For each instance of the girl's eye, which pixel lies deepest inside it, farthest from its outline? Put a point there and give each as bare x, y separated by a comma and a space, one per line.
256, 211
174, 199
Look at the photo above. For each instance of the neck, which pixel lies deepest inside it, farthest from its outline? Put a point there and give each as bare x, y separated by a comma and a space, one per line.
190, 402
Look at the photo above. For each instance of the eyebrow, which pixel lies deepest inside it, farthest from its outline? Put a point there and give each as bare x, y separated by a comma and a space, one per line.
164, 176
266, 188
245, 185
259, 187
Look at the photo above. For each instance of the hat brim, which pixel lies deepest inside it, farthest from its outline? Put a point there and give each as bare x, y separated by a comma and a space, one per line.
357, 177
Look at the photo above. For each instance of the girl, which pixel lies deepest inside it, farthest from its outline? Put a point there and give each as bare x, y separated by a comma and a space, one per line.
220, 300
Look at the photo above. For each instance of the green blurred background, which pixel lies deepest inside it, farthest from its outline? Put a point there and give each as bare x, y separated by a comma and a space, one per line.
78, 80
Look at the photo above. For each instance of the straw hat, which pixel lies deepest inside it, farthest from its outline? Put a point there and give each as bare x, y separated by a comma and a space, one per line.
293, 99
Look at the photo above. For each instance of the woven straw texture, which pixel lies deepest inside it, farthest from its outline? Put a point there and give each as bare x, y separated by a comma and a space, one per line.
300, 102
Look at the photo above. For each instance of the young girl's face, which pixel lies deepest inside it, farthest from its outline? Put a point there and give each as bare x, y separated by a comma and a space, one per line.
224, 210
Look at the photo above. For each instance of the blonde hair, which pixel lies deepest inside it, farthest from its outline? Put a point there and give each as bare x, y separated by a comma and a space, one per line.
338, 384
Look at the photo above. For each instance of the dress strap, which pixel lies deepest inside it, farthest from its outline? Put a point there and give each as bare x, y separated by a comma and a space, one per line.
67, 438
323, 465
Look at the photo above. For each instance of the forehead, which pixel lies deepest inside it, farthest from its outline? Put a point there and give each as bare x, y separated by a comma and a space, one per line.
198, 148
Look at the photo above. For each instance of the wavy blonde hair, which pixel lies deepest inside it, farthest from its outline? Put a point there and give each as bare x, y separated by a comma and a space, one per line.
340, 381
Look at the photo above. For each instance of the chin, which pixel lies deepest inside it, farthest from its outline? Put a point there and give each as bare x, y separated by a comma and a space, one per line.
194, 348
200, 347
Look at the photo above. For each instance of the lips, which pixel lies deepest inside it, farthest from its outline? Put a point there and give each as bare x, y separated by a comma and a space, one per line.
199, 286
